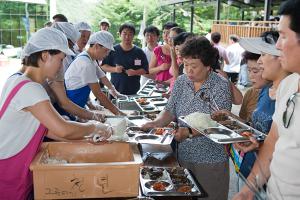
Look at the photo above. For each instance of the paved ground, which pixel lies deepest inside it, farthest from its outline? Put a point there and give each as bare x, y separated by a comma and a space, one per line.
9, 67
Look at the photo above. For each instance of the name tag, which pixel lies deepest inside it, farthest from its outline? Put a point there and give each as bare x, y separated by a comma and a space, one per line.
137, 62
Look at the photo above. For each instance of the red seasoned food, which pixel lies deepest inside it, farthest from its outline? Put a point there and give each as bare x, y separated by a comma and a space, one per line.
184, 188
159, 186
246, 134
159, 131
142, 101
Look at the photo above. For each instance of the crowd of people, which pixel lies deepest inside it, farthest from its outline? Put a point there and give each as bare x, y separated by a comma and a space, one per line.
63, 63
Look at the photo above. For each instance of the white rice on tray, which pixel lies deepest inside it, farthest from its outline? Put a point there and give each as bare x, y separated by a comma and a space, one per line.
200, 121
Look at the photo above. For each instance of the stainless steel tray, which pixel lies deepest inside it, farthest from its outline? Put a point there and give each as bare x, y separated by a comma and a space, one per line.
260, 136
152, 88
168, 177
219, 134
157, 104
150, 137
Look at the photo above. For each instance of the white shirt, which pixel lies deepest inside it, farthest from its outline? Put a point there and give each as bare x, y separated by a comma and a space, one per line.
284, 182
148, 53
234, 55
17, 127
82, 71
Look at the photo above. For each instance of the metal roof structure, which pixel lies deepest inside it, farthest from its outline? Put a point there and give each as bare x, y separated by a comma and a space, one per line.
266, 4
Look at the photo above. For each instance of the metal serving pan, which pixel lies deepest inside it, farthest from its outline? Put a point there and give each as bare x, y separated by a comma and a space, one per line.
166, 181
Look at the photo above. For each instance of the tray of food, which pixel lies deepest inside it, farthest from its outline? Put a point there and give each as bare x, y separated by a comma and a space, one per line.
163, 136
165, 181
224, 131
146, 105
239, 127
218, 133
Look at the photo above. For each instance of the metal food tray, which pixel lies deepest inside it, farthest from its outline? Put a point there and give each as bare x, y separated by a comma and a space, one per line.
258, 135
158, 103
226, 136
150, 89
149, 137
171, 189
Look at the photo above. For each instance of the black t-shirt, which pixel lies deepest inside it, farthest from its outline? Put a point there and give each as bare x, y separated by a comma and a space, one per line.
132, 59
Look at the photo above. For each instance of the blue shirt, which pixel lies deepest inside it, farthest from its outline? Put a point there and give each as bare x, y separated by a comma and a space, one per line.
262, 121
185, 100
135, 59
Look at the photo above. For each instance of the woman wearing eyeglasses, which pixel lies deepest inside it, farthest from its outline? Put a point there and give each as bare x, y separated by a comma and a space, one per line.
279, 157
270, 70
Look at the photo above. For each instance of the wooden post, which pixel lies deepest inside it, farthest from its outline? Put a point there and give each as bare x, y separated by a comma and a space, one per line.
192, 15
267, 9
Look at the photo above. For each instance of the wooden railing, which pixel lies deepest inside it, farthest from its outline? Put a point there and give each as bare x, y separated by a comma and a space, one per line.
241, 28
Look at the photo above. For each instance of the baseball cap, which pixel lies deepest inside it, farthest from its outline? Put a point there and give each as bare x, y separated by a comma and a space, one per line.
47, 39
257, 45
104, 38
68, 29
104, 20
83, 26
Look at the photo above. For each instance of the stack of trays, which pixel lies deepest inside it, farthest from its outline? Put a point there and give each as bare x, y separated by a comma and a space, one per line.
159, 181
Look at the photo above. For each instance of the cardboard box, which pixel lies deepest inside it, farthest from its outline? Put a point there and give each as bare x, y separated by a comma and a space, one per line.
92, 171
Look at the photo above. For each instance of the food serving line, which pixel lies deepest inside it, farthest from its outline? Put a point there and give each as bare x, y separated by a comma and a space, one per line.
139, 165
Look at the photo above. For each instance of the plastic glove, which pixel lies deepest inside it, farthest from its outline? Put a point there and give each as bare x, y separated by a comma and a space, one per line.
116, 94
98, 107
98, 116
101, 132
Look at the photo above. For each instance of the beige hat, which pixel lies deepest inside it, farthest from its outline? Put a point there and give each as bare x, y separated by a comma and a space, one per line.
257, 45
104, 38
47, 39
104, 20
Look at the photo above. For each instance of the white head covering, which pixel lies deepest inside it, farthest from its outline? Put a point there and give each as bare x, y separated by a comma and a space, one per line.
104, 38
257, 45
83, 26
47, 39
104, 20
68, 29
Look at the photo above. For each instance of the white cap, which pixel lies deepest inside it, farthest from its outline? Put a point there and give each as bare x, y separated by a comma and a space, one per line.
104, 20
257, 45
83, 26
68, 29
104, 38
47, 39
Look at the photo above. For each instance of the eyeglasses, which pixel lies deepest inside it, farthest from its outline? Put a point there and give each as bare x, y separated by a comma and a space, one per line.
289, 111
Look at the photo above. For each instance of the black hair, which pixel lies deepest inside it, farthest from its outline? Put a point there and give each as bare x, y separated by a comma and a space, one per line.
291, 8
200, 48
151, 29
216, 37
60, 17
169, 25
128, 26
247, 55
234, 38
33, 59
177, 29
270, 37
181, 38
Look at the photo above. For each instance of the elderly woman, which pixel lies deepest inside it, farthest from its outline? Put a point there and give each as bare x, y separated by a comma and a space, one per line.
207, 160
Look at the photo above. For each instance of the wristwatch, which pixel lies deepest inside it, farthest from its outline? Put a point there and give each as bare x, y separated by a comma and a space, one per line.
190, 132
